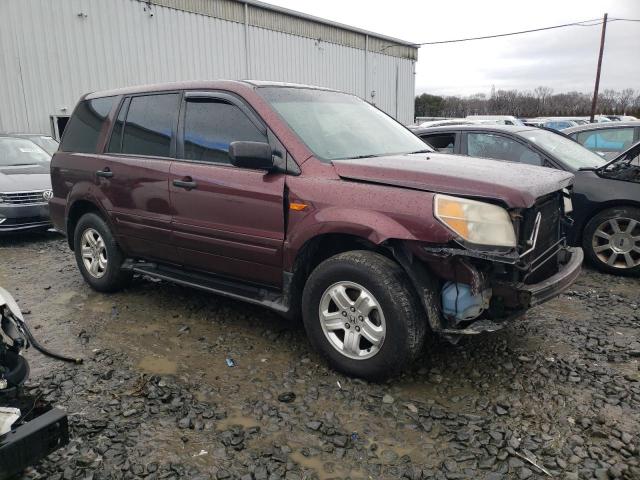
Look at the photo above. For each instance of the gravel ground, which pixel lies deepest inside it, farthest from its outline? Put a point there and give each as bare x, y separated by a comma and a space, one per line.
556, 395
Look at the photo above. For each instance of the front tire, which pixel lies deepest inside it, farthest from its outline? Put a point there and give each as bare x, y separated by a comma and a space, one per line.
611, 241
98, 255
361, 313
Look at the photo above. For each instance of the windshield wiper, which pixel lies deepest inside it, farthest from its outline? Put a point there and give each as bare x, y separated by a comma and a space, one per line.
420, 151
371, 155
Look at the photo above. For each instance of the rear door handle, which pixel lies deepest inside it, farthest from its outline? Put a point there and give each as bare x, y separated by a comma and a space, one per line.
187, 183
106, 173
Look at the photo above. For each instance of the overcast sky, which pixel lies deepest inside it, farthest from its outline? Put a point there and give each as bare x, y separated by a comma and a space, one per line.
563, 59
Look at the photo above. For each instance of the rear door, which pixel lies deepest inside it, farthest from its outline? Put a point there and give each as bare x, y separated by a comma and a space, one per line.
227, 220
135, 175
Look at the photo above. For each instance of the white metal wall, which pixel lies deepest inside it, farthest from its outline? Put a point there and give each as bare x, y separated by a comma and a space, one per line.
53, 51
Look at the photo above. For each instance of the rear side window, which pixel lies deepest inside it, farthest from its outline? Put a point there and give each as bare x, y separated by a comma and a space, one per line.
82, 132
149, 126
210, 126
443, 143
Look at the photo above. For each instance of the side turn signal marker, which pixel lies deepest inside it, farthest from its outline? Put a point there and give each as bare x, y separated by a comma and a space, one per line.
298, 207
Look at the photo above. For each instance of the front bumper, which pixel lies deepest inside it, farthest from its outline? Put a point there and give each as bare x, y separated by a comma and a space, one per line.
514, 297
14, 218
553, 286
528, 295
32, 441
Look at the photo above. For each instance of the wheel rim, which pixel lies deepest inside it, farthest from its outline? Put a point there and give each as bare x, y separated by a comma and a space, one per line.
616, 242
94, 253
352, 320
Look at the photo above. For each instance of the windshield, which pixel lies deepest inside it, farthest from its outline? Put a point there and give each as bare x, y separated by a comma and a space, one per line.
571, 153
20, 151
337, 125
48, 144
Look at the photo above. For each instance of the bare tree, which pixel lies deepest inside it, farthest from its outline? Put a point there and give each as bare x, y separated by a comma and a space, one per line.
542, 94
541, 102
625, 100
607, 101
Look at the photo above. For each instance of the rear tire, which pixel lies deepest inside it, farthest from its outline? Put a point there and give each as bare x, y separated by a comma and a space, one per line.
611, 241
98, 255
361, 313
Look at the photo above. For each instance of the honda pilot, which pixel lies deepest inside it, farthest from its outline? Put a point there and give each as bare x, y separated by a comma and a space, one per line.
313, 203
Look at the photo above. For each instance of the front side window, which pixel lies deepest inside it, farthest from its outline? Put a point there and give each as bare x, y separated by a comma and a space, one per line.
443, 143
607, 139
82, 133
210, 126
337, 125
499, 147
149, 126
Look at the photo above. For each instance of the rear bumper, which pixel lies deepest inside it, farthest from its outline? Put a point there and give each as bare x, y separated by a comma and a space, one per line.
33, 441
15, 218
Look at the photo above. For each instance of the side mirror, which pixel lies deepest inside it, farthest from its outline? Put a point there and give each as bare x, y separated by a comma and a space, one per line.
254, 155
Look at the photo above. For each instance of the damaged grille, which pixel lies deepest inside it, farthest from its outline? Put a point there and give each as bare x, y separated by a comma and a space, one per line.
543, 259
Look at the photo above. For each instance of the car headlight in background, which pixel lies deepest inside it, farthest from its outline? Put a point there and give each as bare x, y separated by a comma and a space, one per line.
476, 222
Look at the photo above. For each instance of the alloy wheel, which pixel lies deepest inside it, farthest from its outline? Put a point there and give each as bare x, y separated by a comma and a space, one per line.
616, 242
94, 253
352, 320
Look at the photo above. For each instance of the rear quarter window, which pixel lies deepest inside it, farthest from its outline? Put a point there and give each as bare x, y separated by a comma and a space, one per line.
82, 133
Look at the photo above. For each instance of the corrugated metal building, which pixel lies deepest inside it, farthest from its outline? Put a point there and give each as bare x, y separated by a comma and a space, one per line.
53, 51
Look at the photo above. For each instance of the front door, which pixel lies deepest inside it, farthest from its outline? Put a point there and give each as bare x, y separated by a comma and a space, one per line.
227, 220
135, 175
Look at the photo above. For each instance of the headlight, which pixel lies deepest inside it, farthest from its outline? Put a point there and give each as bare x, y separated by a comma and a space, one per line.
476, 222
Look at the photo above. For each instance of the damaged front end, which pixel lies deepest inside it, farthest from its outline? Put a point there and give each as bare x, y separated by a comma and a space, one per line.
469, 290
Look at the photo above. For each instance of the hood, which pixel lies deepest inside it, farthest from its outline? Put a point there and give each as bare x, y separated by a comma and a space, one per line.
514, 184
25, 178
624, 167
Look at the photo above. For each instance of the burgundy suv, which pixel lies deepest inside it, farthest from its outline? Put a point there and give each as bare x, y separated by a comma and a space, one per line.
310, 202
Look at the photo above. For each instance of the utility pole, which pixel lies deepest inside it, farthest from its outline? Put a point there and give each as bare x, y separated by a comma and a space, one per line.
595, 90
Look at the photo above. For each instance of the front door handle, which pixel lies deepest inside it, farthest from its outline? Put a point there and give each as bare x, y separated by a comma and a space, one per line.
187, 183
105, 173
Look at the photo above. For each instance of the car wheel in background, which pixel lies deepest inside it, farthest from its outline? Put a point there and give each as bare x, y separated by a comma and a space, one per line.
611, 241
361, 313
98, 256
